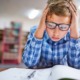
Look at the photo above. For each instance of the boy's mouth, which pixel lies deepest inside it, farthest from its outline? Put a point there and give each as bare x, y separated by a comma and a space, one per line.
55, 38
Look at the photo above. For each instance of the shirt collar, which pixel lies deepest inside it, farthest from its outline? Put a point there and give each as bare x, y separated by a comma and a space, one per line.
67, 36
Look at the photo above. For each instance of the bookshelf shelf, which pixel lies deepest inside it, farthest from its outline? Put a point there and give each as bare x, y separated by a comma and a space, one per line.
1, 39
12, 44
24, 39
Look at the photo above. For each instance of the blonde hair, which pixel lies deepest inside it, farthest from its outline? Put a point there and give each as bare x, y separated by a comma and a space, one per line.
60, 7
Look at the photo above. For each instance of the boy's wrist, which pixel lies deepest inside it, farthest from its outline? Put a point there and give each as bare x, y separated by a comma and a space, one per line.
75, 36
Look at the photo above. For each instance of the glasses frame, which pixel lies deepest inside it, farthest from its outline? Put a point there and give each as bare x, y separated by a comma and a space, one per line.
57, 25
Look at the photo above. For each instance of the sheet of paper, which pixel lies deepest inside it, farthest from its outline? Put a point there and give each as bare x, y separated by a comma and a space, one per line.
21, 74
61, 71
58, 71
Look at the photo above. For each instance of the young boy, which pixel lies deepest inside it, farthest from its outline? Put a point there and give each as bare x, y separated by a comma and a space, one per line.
56, 40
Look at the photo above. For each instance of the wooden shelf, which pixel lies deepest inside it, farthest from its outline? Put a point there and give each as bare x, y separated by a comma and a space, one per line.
24, 39
1, 40
12, 45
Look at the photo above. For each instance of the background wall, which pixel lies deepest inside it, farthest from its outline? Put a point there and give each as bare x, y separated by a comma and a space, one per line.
26, 23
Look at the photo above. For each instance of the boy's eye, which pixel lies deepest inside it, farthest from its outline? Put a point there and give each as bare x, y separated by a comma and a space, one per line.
51, 25
63, 26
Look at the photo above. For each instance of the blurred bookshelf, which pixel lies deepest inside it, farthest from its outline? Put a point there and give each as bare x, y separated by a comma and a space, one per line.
24, 39
11, 45
1, 39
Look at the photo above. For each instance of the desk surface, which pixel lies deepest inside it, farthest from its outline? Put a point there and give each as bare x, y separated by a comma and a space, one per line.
2, 69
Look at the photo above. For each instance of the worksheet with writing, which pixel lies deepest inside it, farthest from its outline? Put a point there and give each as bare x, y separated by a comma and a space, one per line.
22, 74
55, 73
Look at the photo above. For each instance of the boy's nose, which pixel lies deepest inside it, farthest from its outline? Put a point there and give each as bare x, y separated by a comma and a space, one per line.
56, 31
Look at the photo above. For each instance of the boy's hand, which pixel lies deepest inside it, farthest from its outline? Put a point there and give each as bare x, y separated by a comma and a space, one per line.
74, 28
43, 18
42, 26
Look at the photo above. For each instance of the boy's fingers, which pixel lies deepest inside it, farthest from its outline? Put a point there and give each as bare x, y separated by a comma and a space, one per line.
45, 11
72, 7
44, 14
46, 7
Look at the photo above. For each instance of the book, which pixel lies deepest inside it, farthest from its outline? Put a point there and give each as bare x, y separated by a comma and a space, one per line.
58, 72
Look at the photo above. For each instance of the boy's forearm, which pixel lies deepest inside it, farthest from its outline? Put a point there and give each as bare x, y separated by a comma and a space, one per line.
32, 53
39, 33
74, 34
73, 53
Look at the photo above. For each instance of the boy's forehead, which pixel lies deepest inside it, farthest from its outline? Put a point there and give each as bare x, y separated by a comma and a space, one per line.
58, 19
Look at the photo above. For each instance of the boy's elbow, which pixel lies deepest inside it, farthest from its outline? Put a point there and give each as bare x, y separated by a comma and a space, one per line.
30, 63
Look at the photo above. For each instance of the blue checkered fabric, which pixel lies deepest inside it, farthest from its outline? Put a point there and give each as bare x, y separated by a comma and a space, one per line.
44, 53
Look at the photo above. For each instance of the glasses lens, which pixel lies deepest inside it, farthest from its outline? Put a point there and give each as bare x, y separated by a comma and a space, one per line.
63, 27
50, 25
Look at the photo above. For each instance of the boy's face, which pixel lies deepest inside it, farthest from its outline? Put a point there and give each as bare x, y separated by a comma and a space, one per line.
57, 33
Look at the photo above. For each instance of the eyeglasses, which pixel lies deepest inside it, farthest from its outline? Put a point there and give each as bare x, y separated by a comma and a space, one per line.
53, 25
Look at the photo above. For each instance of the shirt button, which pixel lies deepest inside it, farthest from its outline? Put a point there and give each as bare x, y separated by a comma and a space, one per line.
55, 43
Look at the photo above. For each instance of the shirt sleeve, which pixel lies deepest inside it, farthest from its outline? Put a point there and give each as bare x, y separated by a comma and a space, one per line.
32, 50
74, 53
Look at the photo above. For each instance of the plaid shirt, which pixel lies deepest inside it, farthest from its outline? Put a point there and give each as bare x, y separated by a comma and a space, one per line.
43, 53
